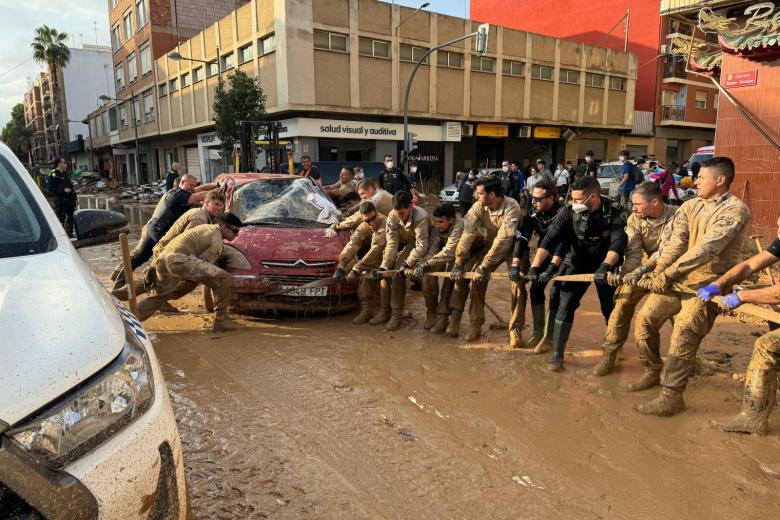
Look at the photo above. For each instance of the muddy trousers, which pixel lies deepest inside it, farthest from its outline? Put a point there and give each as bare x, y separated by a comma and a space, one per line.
65, 206
761, 377
398, 284
140, 254
435, 301
694, 321
657, 310
463, 288
173, 269
368, 289
619, 323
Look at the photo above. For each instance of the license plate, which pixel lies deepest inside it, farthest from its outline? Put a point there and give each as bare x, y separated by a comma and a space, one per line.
306, 293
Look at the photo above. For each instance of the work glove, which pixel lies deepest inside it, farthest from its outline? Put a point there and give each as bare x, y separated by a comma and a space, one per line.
708, 292
600, 276
377, 275
732, 301
340, 275
634, 276
456, 273
482, 274
659, 283
421, 269
353, 276
514, 273
533, 274
548, 274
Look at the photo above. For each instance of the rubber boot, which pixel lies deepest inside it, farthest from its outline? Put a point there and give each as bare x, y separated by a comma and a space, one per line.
365, 313
453, 328
431, 318
538, 316
605, 365
441, 324
396, 320
669, 402
474, 331
384, 308
760, 395
651, 378
561, 334
169, 308
546, 343
516, 339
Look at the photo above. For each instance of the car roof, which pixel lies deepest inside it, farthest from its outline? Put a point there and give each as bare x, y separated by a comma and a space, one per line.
245, 178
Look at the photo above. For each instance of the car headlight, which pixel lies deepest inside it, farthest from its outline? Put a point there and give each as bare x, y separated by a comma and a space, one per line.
108, 402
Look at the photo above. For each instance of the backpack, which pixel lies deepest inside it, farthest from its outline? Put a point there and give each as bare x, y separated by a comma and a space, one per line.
639, 177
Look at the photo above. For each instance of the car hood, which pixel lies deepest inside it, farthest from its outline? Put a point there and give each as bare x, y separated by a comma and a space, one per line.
58, 325
289, 244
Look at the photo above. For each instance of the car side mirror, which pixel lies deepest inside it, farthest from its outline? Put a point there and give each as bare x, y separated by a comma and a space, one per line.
97, 226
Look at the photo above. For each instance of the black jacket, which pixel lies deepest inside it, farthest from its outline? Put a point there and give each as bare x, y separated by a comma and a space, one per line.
170, 179
57, 183
394, 181
538, 223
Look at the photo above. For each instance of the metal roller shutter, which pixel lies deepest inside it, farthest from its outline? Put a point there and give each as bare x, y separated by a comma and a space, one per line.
193, 163
598, 146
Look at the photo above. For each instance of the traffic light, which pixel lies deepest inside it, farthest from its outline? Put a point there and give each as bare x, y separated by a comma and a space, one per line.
411, 142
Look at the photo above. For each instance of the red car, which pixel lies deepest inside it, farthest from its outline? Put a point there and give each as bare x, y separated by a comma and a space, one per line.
287, 243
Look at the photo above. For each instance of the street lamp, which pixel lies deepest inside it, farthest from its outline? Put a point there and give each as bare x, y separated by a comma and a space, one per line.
423, 6
131, 99
176, 56
481, 46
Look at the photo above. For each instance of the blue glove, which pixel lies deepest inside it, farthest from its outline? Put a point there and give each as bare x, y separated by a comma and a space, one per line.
707, 293
732, 301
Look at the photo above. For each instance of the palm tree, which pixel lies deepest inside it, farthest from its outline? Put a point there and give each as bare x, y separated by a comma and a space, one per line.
49, 48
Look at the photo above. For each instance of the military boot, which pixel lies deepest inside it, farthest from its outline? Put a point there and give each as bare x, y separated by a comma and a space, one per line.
396, 320
431, 304
382, 316
453, 328
669, 403
474, 331
365, 313
441, 324
431, 318
760, 395
561, 333
537, 313
651, 378
605, 365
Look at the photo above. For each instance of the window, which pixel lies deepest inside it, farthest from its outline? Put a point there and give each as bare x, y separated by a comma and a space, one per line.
267, 44
146, 58
173, 85
374, 48
412, 53
245, 54
132, 68
113, 3
128, 21
137, 109
148, 98
162, 89
667, 97
212, 68
197, 74
701, 99
449, 59
716, 100
594, 80
483, 64
123, 116
330, 41
116, 40
617, 83
140, 13
570, 76
119, 76
228, 62
542, 72
112, 119
513, 68
185, 80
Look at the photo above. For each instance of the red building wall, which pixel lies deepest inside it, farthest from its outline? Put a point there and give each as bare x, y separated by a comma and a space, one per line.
757, 162
588, 22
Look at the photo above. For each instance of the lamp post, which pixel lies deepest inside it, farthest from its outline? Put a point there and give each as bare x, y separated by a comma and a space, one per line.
176, 56
481, 46
423, 6
131, 99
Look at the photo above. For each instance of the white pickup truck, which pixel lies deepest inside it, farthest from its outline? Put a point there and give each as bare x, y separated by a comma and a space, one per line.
86, 425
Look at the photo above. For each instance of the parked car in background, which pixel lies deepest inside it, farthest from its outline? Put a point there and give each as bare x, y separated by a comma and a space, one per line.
287, 243
609, 175
702, 154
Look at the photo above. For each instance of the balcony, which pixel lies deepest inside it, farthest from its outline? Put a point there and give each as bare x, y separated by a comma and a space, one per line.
674, 69
672, 113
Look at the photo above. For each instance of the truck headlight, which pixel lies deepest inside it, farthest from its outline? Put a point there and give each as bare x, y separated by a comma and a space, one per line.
109, 401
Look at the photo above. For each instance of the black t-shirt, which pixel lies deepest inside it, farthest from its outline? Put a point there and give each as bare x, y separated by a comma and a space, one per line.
774, 247
176, 205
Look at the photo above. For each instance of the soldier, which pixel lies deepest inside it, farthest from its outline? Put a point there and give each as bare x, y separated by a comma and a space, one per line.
445, 234
488, 234
408, 227
369, 190
188, 260
709, 232
649, 225
545, 206
369, 236
596, 235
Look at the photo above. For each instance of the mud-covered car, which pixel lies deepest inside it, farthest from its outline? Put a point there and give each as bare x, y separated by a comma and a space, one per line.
288, 243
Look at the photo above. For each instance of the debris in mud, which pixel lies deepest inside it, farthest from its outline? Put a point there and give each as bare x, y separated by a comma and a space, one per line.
406, 434
525, 481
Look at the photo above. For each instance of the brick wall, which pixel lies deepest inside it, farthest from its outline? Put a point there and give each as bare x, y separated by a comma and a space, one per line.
196, 15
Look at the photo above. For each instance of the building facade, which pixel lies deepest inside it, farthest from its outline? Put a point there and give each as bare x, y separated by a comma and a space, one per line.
671, 118
34, 119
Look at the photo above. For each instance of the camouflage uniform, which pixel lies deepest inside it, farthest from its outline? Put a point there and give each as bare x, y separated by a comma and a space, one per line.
707, 241
192, 218
190, 257
440, 256
492, 233
383, 202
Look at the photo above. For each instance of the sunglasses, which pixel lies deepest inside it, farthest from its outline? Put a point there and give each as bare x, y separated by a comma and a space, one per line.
369, 220
538, 199
234, 230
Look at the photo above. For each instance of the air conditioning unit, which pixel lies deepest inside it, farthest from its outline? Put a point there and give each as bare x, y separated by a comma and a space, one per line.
468, 130
568, 135
524, 131
666, 50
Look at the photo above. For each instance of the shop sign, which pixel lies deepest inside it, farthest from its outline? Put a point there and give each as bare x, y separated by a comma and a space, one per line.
755, 32
547, 132
741, 79
492, 130
340, 129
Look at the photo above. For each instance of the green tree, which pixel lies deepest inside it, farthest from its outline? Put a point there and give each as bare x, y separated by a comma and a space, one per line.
242, 100
17, 135
50, 49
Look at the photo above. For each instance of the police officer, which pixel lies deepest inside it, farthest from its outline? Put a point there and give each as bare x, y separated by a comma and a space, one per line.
393, 180
61, 187
510, 183
545, 206
597, 239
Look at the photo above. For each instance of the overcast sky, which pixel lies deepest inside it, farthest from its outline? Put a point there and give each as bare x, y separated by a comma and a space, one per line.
79, 19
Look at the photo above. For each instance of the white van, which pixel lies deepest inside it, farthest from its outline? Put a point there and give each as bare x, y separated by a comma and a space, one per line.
86, 425
702, 154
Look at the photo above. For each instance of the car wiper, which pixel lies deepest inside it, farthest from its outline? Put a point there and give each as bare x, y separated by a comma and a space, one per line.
263, 223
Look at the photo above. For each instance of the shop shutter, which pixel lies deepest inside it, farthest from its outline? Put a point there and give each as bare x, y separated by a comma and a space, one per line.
598, 146
193, 163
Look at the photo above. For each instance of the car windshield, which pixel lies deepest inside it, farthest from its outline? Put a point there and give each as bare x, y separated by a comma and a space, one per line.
23, 229
699, 158
609, 171
293, 201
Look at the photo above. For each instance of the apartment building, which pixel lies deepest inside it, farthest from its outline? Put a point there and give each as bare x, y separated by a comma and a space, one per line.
34, 119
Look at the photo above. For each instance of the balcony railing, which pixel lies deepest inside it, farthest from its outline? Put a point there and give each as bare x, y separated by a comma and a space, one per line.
672, 113
675, 69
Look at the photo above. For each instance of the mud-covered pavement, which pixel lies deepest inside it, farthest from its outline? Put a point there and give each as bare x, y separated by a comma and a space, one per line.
316, 418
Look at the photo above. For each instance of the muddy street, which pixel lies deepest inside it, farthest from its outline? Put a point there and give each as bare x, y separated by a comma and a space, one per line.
318, 418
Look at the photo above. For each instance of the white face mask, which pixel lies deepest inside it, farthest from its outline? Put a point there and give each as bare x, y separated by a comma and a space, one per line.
413, 169
471, 176
622, 158
588, 159
505, 169
579, 208
389, 165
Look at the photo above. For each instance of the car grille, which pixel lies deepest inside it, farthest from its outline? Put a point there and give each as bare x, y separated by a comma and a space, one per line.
297, 264
449, 193
288, 279
14, 506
